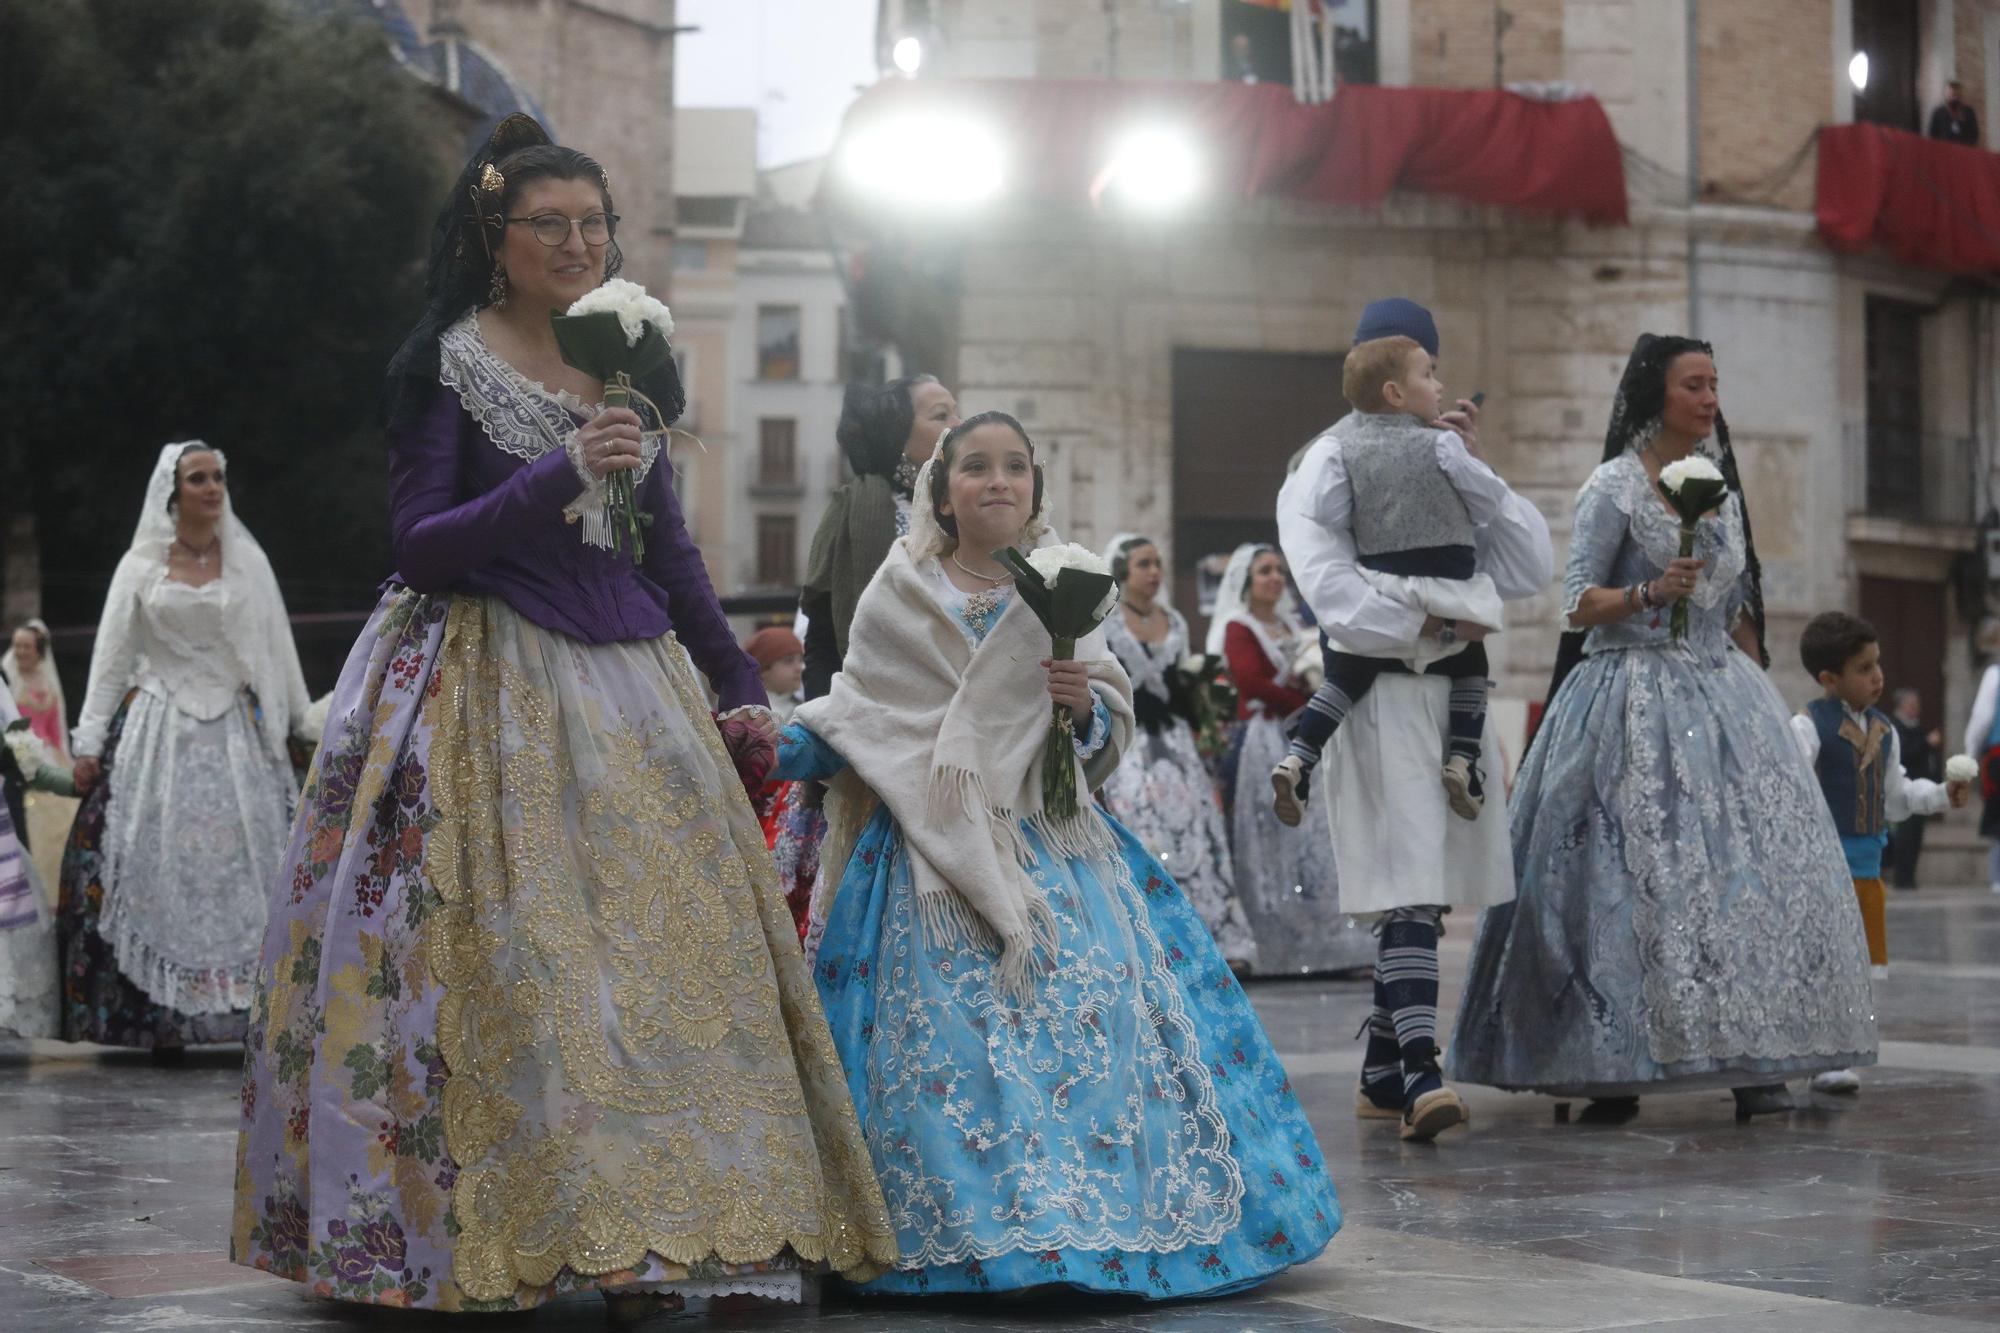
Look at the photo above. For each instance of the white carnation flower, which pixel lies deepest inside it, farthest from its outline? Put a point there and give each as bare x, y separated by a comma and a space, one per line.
1194, 663
313, 722
31, 753
1961, 768
1692, 468
1050, 561
633, 305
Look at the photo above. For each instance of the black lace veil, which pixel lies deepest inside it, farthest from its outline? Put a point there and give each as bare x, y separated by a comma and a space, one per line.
1635, 420
464, 240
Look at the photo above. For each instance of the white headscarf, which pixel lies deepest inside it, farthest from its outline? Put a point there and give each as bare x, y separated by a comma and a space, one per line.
258, 632
928, 540
1112, 553
1232, 606
42, 677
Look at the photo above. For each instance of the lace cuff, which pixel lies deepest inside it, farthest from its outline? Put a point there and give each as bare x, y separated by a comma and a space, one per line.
1093, 740
591, 498
748, 710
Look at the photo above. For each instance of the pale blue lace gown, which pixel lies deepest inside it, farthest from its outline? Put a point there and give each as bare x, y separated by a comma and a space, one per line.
1685, 916
1131, 1130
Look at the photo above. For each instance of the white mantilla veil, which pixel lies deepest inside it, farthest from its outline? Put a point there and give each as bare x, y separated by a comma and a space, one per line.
20, 681
1232, 605
259, 634
928, 540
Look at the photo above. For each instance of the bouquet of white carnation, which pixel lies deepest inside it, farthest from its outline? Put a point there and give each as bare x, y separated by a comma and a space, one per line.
32, 754
1071, 591
1961, 768
1694, 487
617, 333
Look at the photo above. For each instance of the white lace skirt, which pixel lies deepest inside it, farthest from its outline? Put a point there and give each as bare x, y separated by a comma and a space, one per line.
197, 822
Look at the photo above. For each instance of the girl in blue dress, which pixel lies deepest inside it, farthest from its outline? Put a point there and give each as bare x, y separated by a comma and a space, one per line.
1059, 1080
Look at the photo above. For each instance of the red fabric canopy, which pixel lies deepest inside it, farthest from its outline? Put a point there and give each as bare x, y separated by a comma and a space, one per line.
1927, 202
1258, 141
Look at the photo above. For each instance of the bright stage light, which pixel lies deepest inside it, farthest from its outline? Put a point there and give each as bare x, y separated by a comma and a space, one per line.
939, 162
908, 54
1857, 71
1156, 170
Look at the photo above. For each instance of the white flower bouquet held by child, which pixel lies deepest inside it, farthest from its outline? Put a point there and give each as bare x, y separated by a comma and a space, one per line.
617, 333
32, 754
1961, 768
1694, 486
1071, 591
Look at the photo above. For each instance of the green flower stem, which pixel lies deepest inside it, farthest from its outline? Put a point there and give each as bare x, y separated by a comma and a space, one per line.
625, 518
1679, 619
1059, 751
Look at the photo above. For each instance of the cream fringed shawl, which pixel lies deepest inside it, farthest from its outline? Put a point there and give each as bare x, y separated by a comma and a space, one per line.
950, 738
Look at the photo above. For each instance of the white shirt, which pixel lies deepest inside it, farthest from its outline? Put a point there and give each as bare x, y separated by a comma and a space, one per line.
1902, 795
1981, 724
1315, 530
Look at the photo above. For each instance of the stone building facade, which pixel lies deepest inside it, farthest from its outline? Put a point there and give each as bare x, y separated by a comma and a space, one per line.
1079, 321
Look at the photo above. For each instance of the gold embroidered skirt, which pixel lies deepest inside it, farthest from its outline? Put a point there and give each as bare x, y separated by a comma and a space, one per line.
533, 1015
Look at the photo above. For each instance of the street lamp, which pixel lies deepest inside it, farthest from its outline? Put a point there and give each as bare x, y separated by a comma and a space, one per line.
938, 162
1857, 71
1155, 170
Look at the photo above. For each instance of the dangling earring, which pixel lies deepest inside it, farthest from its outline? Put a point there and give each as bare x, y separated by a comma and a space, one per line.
496, 291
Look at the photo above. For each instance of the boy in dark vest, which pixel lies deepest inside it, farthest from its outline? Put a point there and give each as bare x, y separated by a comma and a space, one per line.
1852, 747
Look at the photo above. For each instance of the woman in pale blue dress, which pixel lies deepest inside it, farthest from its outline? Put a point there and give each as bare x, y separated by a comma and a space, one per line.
1685, 918
1059, 1079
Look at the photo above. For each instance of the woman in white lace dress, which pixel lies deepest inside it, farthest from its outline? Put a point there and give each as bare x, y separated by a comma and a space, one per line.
181, 753
1685, 917
27, 945
1161, 791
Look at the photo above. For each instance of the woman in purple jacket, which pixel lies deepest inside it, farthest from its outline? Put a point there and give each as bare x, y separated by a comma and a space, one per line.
532, 1016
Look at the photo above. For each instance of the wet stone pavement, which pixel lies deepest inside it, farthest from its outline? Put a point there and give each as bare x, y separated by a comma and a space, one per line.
1877, 1212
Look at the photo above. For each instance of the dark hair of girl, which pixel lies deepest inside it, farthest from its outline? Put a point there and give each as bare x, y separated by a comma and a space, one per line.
941, 474
875, 424
1121, 556
174, 496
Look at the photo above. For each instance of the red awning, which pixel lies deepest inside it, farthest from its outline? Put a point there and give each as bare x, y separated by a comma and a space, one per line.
1478, 146
1928, 203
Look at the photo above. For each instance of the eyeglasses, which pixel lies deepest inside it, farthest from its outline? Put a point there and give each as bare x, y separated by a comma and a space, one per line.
552, 229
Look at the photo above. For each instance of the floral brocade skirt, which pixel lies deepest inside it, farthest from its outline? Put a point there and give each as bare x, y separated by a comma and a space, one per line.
532, 1014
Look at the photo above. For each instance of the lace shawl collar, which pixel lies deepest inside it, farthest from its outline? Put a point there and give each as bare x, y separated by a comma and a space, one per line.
523, 418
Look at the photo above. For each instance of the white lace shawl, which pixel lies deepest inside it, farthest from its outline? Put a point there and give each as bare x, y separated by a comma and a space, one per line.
525, 419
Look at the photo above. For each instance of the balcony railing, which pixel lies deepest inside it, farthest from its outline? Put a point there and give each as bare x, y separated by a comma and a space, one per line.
1931, 477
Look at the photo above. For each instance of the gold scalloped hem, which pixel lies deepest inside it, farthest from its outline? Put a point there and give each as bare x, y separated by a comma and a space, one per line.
484, 1275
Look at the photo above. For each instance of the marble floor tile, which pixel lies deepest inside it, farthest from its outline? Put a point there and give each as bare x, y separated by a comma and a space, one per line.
1876, 1212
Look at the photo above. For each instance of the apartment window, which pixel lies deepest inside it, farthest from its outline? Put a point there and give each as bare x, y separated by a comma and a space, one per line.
1895, 448
777, 451
1885, 31
777, 549
690, 255
778, 342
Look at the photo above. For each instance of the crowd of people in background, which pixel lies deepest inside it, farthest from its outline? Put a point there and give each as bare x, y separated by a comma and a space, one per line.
683, 967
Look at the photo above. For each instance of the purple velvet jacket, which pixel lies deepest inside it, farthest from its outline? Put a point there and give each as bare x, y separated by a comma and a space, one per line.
469, 518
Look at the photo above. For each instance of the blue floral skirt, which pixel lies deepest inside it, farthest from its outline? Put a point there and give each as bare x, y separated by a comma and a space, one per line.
1128, 1131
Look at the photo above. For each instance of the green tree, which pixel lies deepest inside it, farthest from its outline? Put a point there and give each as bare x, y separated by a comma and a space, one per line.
216, 212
